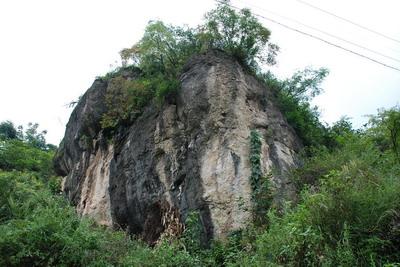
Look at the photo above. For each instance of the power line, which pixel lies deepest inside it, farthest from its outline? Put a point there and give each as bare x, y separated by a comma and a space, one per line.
326, 33
348, 21
316, 37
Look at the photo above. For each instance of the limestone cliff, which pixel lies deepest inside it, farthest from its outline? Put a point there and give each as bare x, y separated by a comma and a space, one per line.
190, 154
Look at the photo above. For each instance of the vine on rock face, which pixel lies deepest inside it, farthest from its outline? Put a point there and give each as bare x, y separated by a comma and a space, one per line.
255, 160
261, 195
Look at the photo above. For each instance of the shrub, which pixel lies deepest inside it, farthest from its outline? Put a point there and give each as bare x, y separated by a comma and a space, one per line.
19, 155
385, 130
240, 34
8, 130
293, 96
347, 217
38, 228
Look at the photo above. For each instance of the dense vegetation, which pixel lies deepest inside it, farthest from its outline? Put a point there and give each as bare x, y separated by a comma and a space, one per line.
347, 212
161, 54
294, 96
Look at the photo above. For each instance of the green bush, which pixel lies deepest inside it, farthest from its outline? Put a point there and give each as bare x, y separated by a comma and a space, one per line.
385, 130
125, 100
348, 213
8, 130
239, 34
38, 228
19, 155
165, 254
293, 96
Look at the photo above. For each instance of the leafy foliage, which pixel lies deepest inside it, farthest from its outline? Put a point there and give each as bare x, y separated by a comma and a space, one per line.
255, 159
261, 192
7, 130
163, 49
294, 96
125, 100
26, 151
38, 228
387, 136
18, 155
240, 34
191, 238
35, 138
349, 209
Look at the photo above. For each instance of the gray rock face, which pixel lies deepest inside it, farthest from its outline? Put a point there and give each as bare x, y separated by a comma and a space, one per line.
190, 154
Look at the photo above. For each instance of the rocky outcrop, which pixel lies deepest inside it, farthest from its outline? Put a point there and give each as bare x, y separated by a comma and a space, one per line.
190, 154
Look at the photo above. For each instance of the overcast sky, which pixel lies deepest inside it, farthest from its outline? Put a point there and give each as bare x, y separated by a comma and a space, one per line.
51, 51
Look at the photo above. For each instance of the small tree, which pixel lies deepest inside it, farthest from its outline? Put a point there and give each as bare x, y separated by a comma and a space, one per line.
163, 49
385, 129
8, 130
240, 34
393, 126
35, 138
306, 84
294, 97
